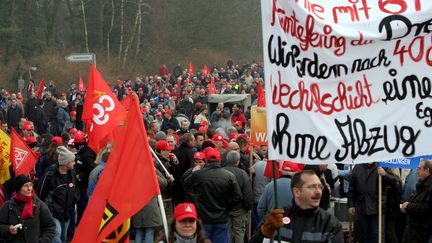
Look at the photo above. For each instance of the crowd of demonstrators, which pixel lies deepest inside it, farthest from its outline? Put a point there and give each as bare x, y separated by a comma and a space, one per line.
204, 159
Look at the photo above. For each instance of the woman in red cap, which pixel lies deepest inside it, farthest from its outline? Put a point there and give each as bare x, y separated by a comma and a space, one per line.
186, 227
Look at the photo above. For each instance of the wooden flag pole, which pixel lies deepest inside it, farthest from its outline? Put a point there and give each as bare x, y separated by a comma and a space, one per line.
250, 181
350, 219
379, 209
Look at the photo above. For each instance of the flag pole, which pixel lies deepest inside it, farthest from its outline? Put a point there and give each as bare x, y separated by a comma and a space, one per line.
379, 209
163, 214
350, 217
250, 181
276, 204
158, 160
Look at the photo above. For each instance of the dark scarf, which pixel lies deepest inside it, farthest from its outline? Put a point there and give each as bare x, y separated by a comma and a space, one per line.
27, 211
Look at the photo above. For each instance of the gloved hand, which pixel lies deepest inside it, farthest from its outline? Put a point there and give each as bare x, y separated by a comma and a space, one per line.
272, 222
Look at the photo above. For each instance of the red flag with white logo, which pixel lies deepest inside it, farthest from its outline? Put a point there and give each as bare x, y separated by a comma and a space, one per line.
102, 111
81, 85
24, 158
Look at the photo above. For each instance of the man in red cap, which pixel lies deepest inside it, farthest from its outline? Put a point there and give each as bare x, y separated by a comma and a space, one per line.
169, 160
218, 140
218, 191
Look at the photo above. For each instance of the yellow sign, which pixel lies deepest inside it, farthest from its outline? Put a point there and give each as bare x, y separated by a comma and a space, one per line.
5, 162
258, 126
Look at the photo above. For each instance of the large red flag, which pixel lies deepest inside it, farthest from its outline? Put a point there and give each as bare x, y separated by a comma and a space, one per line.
261, 102
102, 111
81, 85
127, 183
40, 89
24, 158
191, 68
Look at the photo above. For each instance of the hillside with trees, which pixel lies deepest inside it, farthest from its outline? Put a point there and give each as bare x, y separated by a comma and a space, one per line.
129, 37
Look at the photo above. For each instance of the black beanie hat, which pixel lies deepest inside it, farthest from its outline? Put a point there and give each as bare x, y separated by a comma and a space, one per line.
19, 181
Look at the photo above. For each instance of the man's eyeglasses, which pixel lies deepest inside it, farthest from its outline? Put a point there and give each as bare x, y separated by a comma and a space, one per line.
314, 187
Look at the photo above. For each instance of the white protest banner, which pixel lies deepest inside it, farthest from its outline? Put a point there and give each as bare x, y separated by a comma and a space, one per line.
348, 81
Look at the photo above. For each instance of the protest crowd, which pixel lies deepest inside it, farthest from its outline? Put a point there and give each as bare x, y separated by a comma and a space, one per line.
209, 173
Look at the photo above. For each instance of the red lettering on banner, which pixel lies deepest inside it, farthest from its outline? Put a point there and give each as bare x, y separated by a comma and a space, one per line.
417, 50
347, 97
313, 8
353, 10
307, 36
397, 6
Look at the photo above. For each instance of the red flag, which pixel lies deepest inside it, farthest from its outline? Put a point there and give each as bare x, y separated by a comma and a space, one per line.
212, 87
268, 171
126, 101
81, 85
206, 71
40, 89
127, 183
24, 158
102, 111
261, 102
191, 68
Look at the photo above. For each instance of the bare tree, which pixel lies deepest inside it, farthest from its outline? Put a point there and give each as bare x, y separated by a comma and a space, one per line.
71, 20
109, 31
131, 39
121, 28
85, 26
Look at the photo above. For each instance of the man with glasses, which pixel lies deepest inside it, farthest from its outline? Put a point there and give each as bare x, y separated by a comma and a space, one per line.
305, 221
419, 208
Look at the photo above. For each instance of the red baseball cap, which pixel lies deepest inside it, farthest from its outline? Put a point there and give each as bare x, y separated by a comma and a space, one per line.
72, 113
163, 145
213, 155
158, 113
30, 140
169, 112
79, 137
199, 155
185, 211
56, 140
27, 125
204, 123
73, 130
218, 137
202, 130
233, 135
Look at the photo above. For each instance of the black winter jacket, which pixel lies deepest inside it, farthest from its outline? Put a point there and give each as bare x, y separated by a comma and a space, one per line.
308, 225
59, 192
244, 184
216, 191
85, 163
40, 228
363, 189
419, 214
